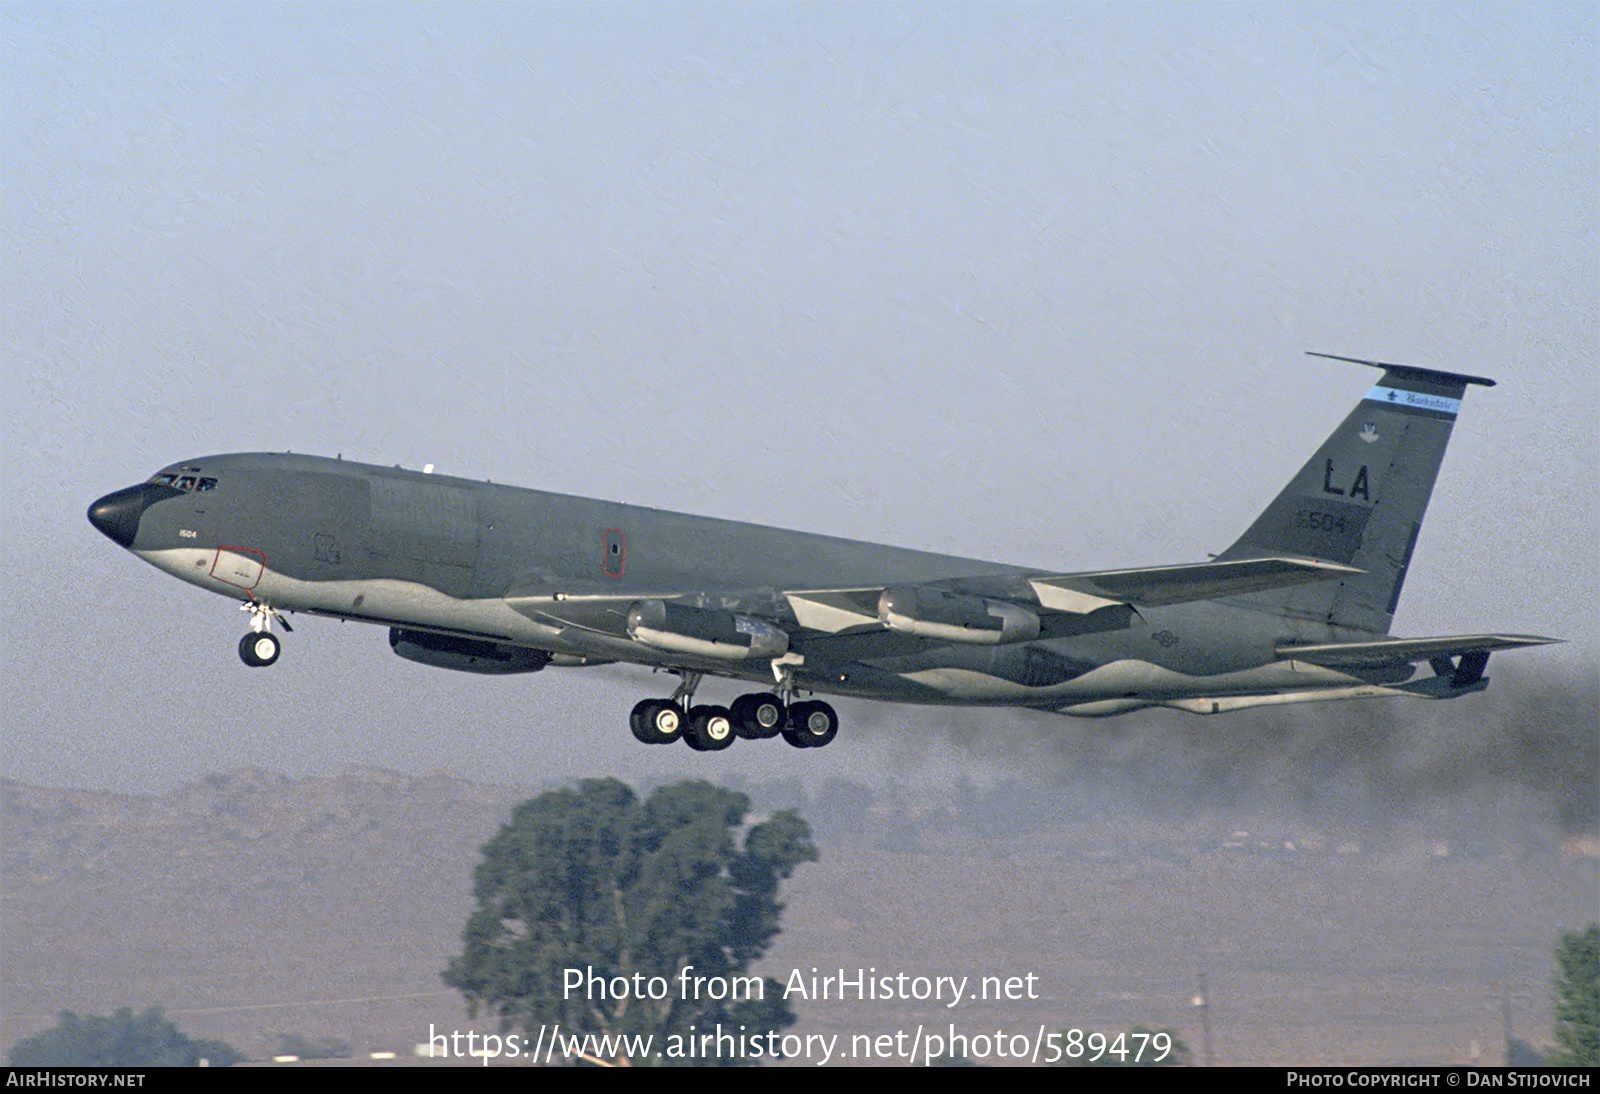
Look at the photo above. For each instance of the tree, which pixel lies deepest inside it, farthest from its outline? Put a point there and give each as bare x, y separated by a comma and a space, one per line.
1577, 998
613, 916
123, 1040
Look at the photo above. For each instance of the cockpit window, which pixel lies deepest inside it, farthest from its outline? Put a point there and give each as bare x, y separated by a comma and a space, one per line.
189, 484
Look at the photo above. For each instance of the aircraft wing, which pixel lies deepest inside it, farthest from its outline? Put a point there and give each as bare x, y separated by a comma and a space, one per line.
836, 610
855, 609
1153, 586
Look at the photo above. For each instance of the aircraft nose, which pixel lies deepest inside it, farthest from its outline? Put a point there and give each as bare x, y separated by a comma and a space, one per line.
117, 514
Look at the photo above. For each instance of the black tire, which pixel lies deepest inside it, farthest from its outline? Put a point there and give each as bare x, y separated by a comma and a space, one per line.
661, 720
709, 729
258, 649
811, 724
638, 723
759, 716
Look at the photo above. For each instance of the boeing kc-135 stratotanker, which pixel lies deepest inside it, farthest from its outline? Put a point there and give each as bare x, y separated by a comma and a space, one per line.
488, 578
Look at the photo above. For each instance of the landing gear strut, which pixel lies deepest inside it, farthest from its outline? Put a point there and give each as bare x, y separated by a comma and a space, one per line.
811, 724
261, 647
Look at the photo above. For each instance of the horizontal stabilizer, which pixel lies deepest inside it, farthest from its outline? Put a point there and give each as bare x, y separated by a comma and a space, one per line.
1406, 650
1434, 374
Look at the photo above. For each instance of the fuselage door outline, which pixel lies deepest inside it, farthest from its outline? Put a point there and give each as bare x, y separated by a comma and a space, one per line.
238, 566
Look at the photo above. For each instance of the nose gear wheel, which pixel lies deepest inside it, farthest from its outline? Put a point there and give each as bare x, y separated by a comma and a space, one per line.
260, 647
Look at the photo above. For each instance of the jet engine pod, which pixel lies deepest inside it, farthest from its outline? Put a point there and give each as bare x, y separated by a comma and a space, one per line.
955, 617
700, 632
465, 654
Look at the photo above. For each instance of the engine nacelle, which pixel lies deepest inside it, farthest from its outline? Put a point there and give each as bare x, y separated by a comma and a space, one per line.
955, 617
465, 654
700, 632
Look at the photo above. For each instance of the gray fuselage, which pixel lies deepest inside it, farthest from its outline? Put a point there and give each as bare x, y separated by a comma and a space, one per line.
503, 564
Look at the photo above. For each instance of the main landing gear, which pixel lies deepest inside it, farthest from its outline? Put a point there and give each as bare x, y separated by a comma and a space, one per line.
812, 724
754, 717
261, 647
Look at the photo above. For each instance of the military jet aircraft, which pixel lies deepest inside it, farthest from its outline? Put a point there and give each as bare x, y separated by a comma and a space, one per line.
489, 578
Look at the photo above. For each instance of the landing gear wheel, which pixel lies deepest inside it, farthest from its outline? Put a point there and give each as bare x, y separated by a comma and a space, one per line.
656, 721
258, 649
710, 729
811, 724
757, 717
637, 722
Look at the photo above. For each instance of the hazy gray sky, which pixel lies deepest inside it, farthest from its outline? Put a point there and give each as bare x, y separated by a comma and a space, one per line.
1023, 283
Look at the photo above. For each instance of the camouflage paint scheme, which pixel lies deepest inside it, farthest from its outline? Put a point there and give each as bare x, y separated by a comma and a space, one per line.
493, 578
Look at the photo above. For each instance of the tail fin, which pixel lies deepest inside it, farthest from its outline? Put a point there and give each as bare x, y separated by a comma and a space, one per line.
1361, 499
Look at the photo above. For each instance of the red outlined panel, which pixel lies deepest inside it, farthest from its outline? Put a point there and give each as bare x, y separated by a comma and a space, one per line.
238, 566
614, 560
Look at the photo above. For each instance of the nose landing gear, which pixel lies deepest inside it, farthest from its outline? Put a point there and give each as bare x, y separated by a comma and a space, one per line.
261, 647
258, 650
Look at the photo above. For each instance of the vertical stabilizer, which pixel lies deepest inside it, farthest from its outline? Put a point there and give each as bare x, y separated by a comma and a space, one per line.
1360, 500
